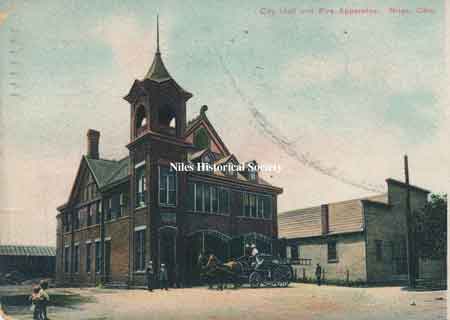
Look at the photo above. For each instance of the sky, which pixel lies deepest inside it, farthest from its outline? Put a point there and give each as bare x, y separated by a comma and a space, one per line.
335, 100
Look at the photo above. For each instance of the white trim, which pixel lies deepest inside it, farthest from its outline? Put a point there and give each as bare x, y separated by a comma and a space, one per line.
139, 228
88, 241
140, 164
67, 246
97, 240
76, 244
108, 239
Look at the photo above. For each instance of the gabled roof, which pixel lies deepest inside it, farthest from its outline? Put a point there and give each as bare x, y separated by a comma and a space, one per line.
227, 159
343, 217
13, 250
200, 120
107, 172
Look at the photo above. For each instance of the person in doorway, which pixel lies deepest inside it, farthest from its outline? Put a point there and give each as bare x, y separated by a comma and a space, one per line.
149, 273
163, 277
319, 274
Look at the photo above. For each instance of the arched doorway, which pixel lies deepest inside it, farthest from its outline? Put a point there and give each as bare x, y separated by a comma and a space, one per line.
204, 242
168, 250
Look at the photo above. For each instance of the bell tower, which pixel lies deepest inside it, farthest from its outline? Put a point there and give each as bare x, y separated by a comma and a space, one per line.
158, 103
158, 124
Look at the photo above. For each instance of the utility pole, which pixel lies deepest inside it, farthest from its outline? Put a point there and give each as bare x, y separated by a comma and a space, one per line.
409, 231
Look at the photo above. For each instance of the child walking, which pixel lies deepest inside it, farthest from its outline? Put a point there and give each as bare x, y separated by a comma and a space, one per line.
36, 302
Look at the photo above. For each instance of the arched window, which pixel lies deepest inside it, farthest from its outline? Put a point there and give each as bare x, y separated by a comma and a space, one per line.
167, 119
201, 138
141, 120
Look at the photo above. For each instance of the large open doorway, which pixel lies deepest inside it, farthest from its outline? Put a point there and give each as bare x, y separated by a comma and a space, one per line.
204, 242
168, 249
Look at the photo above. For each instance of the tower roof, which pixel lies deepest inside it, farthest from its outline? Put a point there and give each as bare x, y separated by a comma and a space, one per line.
158, 71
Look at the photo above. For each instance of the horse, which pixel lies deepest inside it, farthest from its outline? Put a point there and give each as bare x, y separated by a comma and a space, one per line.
221, 272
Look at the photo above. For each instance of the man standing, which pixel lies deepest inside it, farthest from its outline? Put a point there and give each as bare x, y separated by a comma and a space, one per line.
254, 250
163, 277
318, 274
150, 276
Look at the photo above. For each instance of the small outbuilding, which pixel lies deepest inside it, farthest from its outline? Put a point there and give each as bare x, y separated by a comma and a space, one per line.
31, 261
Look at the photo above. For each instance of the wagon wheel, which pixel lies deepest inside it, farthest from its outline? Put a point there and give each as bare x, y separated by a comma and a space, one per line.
255, 280
282, 276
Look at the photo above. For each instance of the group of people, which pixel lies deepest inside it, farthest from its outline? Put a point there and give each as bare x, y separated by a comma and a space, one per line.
39, 300
163, 277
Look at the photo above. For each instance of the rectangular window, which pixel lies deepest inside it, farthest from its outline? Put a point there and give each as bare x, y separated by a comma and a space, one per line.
108, 208
207, 197
167, 186
66, 259
288, 252
141, 186
98, 212
90, 214
98, 256
191, 196
67, 222
123, 203
198, 197
139, 250
214, 200
76, 258
224, 200
88, 257
252, 205
246, 204
332, 251
379, 250
77, 222
294, 252
115, 206
267, 203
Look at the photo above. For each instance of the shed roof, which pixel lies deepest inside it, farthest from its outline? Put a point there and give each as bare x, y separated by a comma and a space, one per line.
37, 251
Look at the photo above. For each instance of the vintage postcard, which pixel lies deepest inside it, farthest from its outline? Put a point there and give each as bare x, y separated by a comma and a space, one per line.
223, 159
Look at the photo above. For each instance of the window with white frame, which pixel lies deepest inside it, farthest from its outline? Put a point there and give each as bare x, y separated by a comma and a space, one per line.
139, 247
256, 205
167, 186
76, 258
141, 185
208, 198
88, 257
98, 256
66, 259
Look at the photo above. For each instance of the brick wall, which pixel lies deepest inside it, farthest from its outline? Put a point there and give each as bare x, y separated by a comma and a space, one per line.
386, 225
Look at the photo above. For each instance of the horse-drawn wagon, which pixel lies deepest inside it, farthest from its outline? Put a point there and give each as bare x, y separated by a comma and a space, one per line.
263, 270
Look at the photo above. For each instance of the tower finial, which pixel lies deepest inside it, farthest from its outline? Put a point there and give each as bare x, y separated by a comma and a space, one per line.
157, 33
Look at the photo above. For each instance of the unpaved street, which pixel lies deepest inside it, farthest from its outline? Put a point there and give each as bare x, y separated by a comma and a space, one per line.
299, 301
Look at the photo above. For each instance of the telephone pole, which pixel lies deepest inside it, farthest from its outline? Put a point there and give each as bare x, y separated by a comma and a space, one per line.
409, 230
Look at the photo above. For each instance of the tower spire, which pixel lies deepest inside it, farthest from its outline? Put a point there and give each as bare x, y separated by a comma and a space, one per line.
157, 33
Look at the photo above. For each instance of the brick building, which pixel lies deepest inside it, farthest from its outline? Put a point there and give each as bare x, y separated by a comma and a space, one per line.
123, 213
359, 240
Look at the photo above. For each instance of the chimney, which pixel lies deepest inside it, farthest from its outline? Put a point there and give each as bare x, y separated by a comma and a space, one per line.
93, 137
325, 219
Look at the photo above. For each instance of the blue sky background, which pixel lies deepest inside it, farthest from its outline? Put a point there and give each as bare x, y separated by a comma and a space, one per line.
335, 100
